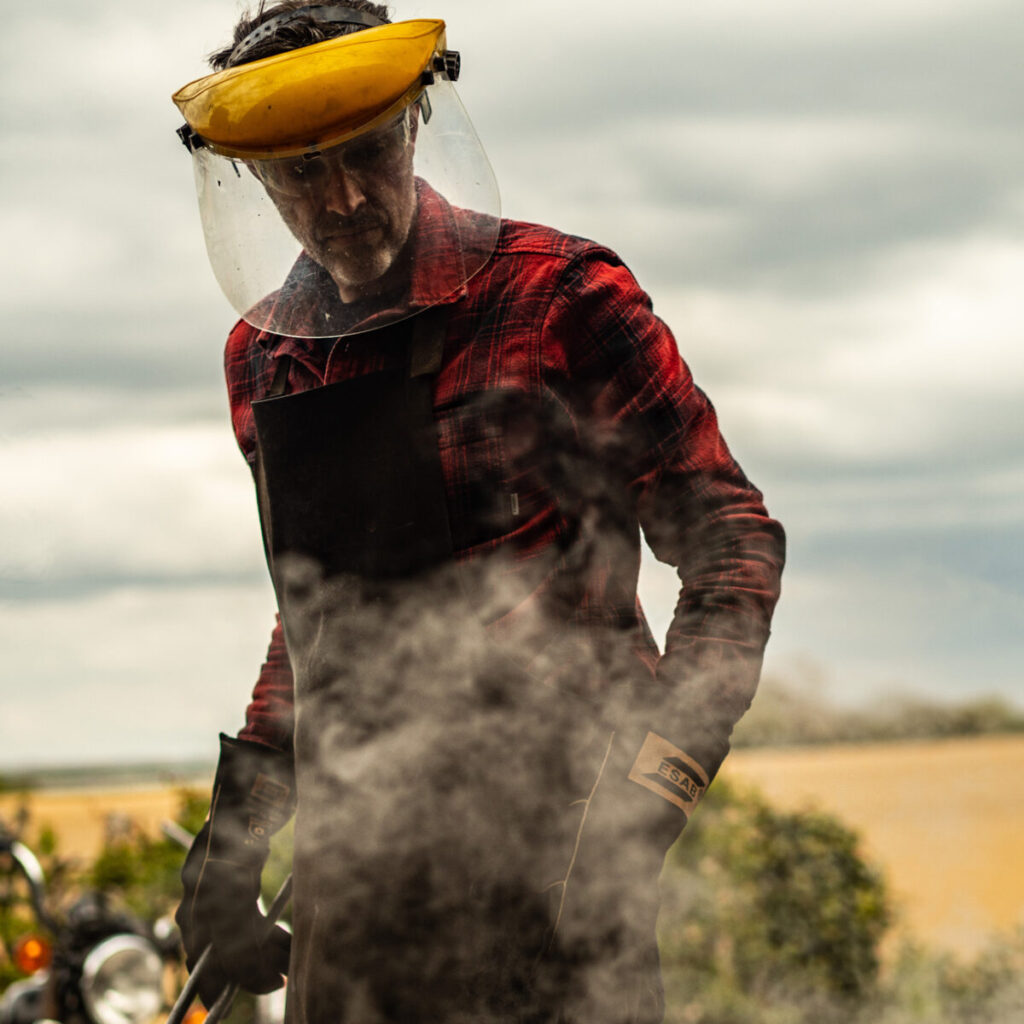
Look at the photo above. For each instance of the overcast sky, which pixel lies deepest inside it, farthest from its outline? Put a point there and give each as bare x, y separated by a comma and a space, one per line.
825, 202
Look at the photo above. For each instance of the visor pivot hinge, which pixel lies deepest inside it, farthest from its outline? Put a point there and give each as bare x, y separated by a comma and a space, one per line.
190, 138
449, 65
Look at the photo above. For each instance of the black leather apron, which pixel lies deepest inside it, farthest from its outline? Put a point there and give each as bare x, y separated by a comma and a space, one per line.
433, 777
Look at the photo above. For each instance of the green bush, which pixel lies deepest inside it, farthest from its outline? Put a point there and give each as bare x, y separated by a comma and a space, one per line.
928, 988
768, 916
144, 872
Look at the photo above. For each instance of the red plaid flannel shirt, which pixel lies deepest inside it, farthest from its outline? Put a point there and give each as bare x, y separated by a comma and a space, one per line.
561, 320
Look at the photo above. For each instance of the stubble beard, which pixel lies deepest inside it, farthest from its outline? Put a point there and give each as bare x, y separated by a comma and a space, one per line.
356, 270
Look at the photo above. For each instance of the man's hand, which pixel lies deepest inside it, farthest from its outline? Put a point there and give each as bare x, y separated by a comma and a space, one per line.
252, 798
637, 808
247, 949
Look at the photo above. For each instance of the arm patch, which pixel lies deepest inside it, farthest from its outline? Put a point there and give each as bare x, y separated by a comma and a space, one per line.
668, 772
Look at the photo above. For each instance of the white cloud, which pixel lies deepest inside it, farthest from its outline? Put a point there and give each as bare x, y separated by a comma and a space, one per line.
777, 156
946, 320
912, 501
168, 501
112, 56
922, 357
604, 23
905, 625
130, 673
881, 628
50, 250
796, 19
768, 171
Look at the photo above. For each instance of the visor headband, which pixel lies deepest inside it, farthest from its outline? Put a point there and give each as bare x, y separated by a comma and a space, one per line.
333, 15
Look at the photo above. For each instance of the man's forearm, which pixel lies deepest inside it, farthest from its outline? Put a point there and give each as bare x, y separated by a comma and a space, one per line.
270, 716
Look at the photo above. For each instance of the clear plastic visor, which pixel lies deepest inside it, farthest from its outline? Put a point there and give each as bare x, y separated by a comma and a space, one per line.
353, 237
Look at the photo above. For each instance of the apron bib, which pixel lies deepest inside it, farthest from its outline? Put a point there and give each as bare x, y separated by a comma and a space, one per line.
434, 778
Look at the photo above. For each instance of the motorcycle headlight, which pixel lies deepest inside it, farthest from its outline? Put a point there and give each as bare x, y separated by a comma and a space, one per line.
122, 981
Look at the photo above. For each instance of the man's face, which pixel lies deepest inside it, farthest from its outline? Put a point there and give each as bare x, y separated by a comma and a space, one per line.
352, 206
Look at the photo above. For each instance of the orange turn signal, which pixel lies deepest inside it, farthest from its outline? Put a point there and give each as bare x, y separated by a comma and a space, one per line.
32, 953
196, 1015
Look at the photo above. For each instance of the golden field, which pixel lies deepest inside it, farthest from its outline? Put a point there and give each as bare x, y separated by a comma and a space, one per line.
81, 817
944, 820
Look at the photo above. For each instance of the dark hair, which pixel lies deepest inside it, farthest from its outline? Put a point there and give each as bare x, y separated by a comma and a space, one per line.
296, 33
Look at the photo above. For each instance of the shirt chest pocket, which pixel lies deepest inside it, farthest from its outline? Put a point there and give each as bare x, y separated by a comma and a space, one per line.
483, 502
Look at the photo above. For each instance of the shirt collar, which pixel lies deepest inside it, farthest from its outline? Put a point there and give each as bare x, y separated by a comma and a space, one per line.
437, 277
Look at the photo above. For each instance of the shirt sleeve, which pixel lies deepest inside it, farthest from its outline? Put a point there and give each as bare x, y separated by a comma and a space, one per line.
269, 718
698, 510
245, 373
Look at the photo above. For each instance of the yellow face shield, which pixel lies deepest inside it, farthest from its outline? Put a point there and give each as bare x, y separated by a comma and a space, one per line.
315, 96
341, 185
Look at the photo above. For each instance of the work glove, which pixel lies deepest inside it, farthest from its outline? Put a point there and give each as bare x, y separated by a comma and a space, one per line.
637, 805
604, 918
253, 797
648, 786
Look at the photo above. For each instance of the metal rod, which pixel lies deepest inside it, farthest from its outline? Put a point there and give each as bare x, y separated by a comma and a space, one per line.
188, 992
222, 1004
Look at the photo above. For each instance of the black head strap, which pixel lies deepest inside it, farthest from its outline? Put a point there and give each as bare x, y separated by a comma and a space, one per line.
328, 15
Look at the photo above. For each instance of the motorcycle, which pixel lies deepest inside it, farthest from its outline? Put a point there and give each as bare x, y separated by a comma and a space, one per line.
92, 965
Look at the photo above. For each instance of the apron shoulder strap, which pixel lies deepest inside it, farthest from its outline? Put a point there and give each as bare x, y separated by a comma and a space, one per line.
428, 331
279, 385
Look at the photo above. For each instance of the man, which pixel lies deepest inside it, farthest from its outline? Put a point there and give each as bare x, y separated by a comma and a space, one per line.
458, 426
